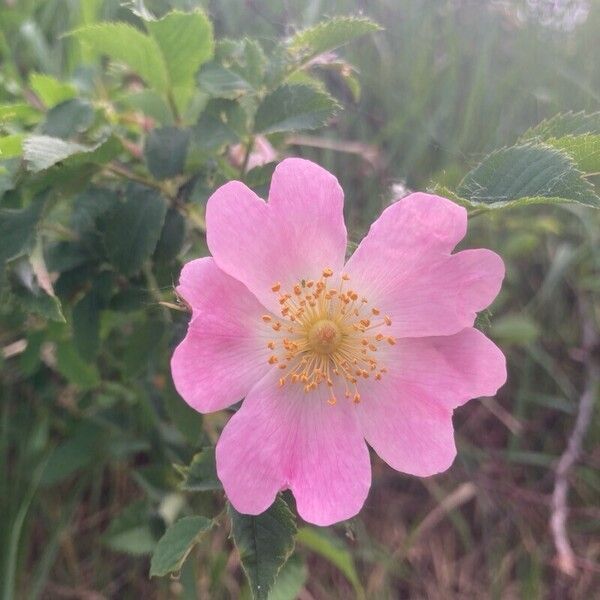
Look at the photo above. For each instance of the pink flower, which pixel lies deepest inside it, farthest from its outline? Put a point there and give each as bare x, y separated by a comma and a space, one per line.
329, 355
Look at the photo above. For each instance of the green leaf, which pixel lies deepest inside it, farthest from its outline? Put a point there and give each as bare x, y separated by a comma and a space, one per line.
294, 107
68, 118
42, 152
124, 43
151, 103
175, 545
583, 149
86, 325
51, 91
19, 112
321, 542
165, 151
221, 123
80, 449
17, 229
329, 35
201, 474
220, 82
11, 146
186, 41
71, 366
527, 174
132, 228
37, 301
564, 124
171, 237
264, 542
131, 531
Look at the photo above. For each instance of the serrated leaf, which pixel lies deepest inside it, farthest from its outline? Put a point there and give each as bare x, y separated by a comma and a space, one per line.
132, 228
329, 35
177, 542
11, 146
583, 149
264, 542
324, 544
17, 229
186, 41
165, 151
201, 474
42, 152
526, 174
563, 124
50, 90
294, 107
126, 44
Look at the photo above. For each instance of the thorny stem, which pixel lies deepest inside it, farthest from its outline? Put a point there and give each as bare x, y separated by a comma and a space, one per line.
566, 558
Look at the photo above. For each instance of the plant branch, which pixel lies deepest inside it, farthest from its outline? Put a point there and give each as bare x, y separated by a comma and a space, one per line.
566, 558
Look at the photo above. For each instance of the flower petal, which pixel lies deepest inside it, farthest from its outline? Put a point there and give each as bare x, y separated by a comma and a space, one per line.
284, 437
453, 368
224, 352
407, 427
296, 235
404, 266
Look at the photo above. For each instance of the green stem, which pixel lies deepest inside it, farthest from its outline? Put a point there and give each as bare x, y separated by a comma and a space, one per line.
249, 147
155, 291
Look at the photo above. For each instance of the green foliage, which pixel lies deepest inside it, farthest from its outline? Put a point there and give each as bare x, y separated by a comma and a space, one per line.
115, 127
330, 549
132, 228
201, 474
18, 228
526, 174
124, 43
50, 90
265, 542
177, 542
41, 152
329, 35
294, 107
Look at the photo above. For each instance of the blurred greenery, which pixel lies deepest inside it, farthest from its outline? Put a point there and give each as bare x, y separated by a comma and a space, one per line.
103, 108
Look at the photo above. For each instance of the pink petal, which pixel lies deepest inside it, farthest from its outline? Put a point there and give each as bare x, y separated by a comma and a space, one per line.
224, 352
407, 427
454, 368
295, 236
284, 437
405, 268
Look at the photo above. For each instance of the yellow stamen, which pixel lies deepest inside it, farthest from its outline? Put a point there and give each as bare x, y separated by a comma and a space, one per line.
325, 336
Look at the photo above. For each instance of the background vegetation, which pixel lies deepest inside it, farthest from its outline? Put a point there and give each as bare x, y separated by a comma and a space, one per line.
91, 425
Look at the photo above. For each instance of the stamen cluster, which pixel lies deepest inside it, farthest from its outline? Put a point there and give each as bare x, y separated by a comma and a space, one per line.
327, 332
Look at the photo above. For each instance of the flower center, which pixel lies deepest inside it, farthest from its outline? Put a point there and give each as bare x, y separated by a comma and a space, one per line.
327, 334
324, 336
